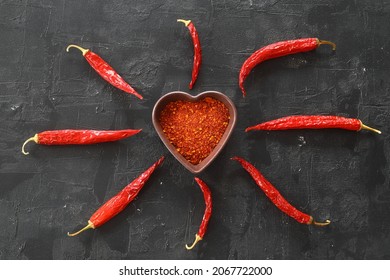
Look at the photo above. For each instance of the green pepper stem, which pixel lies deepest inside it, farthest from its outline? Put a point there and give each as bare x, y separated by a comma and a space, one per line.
89, 226
84, 51
34, 138
197, 239
186, 22
323, 42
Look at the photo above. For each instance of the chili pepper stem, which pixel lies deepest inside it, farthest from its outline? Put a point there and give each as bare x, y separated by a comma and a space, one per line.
363, 126
34, 138
197, 239
89, 226
320, 224
186, 22
323, 42
84, 51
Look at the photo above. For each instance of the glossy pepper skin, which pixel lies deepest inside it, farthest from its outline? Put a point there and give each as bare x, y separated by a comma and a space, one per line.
274, 195
207, 212
277, 50
106, 71
79, 137
197, 50
312, 122
119, 202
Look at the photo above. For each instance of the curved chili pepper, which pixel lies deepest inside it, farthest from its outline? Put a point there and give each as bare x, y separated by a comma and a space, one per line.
312, 122
105, 70
207, 212
277, 50
78, 137
197, 50
119, 202
274, 195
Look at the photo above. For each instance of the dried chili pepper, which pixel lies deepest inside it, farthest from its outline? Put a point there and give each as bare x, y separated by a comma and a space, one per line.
119, 202
313, 122
79, 137
207, 212
274, 195
197, 50
105, 70
277, 50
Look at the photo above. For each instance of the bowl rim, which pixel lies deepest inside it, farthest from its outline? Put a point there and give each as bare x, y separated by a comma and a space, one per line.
181, 95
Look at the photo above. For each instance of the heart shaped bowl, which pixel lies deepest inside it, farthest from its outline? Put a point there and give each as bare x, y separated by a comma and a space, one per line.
179, 95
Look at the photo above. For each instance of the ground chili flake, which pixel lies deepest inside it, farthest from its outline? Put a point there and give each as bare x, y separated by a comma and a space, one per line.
195, 128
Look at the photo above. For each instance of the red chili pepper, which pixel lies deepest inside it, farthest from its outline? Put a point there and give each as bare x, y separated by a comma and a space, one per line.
105, 70
312, 122
119, 202
277, 50
79, 137
274, 195
197, 50
207, 212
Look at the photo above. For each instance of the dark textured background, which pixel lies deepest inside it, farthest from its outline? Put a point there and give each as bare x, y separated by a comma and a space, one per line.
340, 175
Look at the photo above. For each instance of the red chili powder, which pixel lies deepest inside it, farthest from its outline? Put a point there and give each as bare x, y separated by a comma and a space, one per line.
195, 128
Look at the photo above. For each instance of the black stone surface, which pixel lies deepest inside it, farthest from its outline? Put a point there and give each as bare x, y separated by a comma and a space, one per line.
340, 175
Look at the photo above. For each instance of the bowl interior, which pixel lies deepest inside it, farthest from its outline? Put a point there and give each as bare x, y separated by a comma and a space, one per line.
179, 95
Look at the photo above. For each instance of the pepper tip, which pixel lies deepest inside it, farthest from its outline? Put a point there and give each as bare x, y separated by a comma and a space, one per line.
132, 91
243, 90
160, 160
